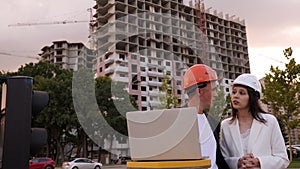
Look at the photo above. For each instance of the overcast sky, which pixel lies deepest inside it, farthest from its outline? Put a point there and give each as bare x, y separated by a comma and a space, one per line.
272, 25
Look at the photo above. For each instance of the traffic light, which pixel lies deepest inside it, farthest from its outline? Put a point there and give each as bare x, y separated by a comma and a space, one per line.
17, 139
38, 135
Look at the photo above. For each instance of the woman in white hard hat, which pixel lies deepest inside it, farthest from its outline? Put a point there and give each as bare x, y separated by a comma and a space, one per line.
251, 138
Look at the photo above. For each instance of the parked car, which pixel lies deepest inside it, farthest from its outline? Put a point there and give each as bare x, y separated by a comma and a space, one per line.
124, 159
295, 150
81, 163
41, 163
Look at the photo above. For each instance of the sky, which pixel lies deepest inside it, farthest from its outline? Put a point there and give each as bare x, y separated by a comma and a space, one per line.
271, 25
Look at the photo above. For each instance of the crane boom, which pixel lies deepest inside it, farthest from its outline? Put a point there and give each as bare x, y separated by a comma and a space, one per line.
46, 23
91, 25
9, 54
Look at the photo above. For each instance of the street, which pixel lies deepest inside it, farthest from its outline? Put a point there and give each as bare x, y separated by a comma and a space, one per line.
106, 167
113, 166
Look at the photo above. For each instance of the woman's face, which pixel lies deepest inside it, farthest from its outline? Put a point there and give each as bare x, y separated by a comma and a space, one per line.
240, 98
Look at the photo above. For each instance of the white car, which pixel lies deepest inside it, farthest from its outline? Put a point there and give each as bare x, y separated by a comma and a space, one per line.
81, 163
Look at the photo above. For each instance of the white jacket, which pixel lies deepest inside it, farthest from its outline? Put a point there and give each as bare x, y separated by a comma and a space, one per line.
207, 140
265, 142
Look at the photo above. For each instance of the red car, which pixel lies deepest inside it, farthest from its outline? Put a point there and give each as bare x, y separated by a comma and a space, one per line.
41, 163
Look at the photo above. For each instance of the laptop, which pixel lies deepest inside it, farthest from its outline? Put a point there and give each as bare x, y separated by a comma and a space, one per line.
167, 134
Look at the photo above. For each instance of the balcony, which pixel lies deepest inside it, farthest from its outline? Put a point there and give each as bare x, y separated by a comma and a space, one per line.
154, 83
153, 93
121, 79
121, 69
109, 61
143, 83
144, 103
144, 93
155, 74
109, 71
120, 60
154, 103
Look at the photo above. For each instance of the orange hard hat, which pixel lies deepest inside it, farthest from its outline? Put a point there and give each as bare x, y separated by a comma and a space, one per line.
198, 73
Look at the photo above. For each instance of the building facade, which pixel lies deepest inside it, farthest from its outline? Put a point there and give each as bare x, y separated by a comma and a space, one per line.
68, 55
145, 40
139, 42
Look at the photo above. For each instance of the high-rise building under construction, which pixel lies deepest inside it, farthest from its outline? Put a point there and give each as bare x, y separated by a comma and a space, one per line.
138, 42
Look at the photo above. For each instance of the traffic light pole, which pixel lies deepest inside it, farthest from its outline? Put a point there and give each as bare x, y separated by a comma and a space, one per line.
15, 130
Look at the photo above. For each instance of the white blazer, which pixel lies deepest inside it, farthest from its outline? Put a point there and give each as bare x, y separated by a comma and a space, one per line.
265, 142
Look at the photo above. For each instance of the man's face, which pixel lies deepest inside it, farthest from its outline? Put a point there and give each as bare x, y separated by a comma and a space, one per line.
208, 94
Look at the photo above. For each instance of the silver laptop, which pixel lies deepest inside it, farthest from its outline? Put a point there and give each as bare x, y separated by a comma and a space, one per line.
168, 134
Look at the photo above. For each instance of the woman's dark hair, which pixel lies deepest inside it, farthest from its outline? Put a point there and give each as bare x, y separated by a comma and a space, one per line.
254, 105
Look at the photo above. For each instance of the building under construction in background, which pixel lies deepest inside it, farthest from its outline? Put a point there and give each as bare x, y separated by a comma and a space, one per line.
138, 42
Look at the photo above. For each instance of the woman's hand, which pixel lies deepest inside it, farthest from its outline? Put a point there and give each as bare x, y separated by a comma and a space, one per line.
248, 161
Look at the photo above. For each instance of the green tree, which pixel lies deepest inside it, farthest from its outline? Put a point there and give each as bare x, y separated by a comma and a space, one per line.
100, 107
41, 68
59, 117
114, 102
281, 92
168, 98
221, 105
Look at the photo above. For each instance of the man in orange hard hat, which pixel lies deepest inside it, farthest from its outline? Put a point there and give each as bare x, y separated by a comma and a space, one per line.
200, 83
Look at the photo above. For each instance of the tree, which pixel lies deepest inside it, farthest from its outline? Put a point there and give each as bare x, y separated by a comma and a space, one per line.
41, 68
114, 102
85, 104
219, 109
281, 92
100, 106
59, 117
168, 98
221, 105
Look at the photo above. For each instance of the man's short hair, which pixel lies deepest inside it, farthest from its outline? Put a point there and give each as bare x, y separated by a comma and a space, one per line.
190, 91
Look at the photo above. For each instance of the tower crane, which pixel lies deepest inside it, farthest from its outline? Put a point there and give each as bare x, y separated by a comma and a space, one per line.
271, 58
46, 23
10, 54
91, 22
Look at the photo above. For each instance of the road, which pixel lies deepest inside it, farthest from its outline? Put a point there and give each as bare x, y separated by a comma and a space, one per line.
106, 167
113, 166
124, 166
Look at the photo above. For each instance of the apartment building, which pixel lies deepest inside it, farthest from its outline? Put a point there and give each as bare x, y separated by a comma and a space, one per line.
144, 40
228, 38
68, 55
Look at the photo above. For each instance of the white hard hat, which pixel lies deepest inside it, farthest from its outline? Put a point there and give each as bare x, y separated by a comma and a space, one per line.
248, 80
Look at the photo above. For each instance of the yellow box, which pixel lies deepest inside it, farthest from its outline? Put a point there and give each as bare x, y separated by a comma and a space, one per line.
169, 164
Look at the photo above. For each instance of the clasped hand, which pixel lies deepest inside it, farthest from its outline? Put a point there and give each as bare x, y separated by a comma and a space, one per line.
248, 161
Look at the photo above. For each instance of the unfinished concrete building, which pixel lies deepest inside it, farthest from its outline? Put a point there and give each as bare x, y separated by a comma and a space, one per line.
68, 55
140, 41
